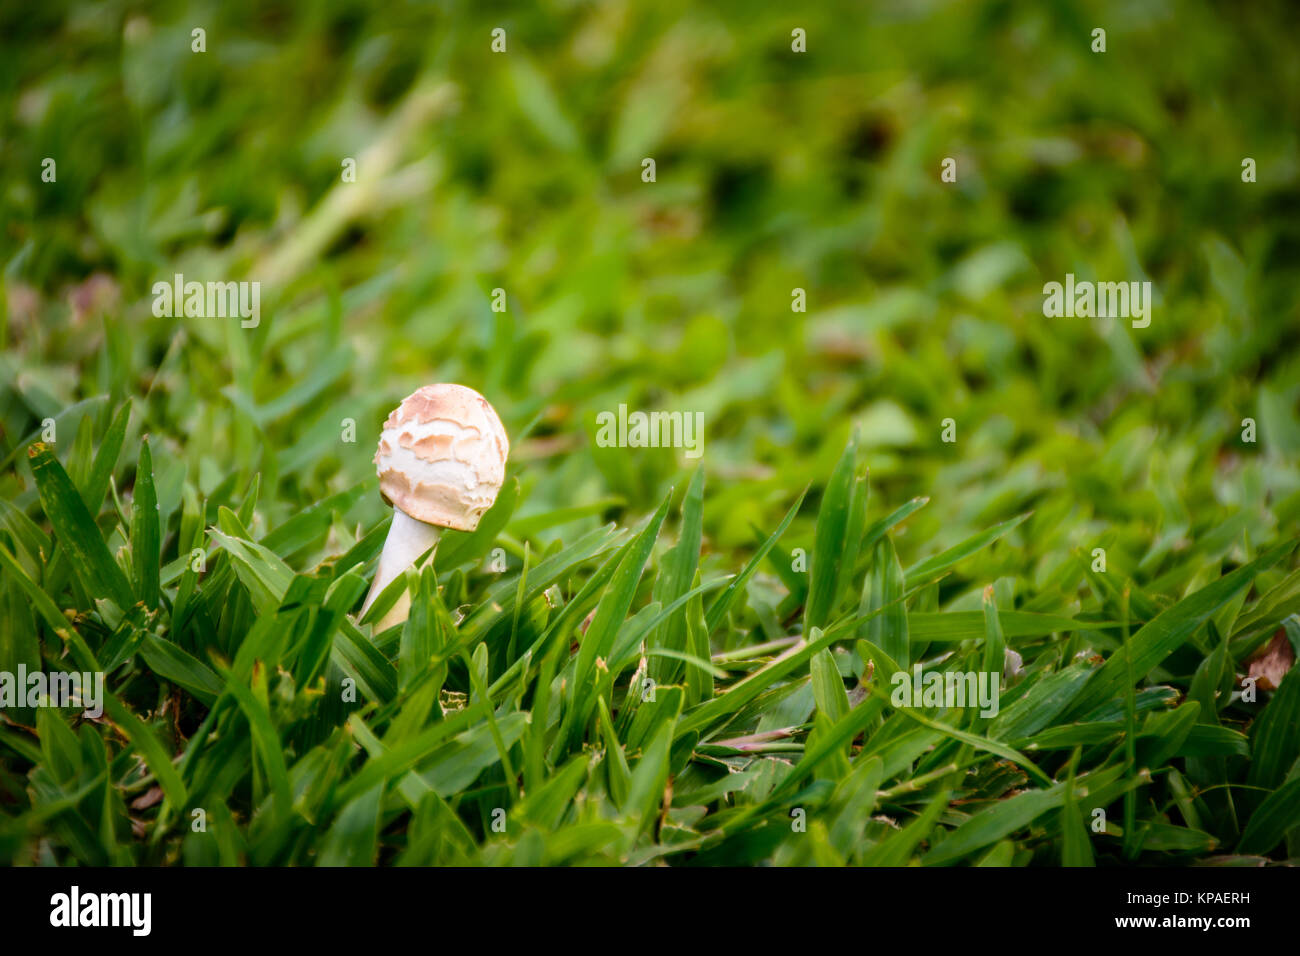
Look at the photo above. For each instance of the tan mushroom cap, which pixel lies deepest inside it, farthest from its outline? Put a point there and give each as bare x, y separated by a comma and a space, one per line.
442, 456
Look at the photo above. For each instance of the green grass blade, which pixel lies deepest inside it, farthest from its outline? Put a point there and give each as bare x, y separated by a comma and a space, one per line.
146, 537
76, 530
1161, 636
827, 569
718, 609
935, 567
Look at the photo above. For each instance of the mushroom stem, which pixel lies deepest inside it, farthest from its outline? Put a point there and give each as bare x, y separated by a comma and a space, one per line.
407, 540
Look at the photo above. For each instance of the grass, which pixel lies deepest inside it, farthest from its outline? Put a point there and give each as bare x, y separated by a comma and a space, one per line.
641, 658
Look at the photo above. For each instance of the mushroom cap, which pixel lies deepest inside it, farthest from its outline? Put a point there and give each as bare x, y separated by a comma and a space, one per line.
442, 456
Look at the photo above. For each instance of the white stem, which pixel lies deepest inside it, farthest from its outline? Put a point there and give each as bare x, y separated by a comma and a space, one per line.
407, 540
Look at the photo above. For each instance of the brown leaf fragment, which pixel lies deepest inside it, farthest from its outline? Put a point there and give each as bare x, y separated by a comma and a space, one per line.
147, 799
1271, 662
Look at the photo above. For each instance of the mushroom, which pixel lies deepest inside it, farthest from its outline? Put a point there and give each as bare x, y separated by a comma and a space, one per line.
441, 462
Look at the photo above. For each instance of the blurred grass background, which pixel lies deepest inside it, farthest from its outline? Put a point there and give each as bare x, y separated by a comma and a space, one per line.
775, 170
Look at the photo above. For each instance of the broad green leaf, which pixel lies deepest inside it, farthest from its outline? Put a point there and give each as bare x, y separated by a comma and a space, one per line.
1042, 703
458, 763
548, 806
1163, 734
1267, 826
76, 530
352, 839
177, 665
1167, 838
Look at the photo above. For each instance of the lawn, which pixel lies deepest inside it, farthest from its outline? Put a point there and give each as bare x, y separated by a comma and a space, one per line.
822, 232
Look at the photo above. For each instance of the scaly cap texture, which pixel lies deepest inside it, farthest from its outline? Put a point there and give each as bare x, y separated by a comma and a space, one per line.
442, 456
